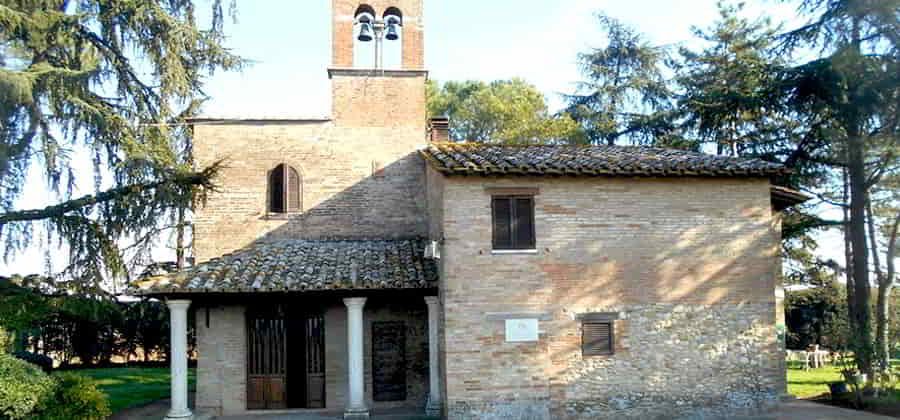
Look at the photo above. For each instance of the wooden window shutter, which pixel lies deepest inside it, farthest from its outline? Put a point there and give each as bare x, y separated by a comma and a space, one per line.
523, 223
502, 223
597, 338
513, 222
276, 190
294, 198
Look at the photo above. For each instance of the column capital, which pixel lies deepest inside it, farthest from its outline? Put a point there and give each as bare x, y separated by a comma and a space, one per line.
356, 302
178, 303
432, 300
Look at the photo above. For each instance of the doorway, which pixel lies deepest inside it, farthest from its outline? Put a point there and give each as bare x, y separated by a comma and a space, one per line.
285, 358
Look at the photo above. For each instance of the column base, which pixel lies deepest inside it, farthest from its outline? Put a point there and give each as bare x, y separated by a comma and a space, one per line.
179, 415
356, 414
433, 408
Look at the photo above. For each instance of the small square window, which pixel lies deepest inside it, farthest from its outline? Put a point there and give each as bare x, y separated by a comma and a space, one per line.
598, 334
513, 222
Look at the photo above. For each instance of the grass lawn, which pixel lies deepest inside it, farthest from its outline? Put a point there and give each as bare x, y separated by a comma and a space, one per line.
128, 387
810, 383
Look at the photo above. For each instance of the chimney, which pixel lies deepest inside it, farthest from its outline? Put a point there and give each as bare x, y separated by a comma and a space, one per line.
440, 129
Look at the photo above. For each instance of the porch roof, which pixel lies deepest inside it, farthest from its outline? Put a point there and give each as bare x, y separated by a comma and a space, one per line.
303, 265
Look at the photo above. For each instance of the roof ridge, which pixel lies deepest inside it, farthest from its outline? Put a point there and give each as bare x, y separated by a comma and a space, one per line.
472, 158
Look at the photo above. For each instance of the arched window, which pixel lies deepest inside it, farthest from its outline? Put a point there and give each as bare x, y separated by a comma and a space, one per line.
285, 190
363, 34
392, 56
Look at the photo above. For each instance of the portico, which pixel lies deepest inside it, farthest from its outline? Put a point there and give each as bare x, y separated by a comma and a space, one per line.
330, 348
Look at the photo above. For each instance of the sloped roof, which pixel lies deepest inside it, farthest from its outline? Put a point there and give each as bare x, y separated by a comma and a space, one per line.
491, 159
303, 265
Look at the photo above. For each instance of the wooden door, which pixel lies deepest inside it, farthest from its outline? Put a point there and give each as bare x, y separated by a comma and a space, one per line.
389, 361
267, 360
315, 360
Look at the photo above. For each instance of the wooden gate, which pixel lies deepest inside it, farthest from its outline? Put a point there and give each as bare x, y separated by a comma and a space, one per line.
389, 361
285, 359
267, 360
315, 361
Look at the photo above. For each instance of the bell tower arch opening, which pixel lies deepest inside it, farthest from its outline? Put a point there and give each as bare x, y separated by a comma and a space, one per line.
377, 74
397, 25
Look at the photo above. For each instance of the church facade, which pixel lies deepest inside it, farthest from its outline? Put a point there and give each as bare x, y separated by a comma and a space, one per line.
363, 264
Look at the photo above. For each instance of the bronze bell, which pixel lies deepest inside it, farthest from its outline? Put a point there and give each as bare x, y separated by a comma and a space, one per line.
392, 32
365, 32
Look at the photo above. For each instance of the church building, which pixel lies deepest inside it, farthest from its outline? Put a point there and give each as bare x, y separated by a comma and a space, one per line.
363, 264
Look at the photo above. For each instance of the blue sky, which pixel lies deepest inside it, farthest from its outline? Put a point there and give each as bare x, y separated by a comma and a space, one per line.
289, 43
537, 40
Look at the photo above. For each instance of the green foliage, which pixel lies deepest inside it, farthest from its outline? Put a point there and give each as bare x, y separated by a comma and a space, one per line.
503, 111
39, 360
728, 95
74, 397
71, 327
625, 94
22, 386
6, 340
116, 80
849, 95
816, 316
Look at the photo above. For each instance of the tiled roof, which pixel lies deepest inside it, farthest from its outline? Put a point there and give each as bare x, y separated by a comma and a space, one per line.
304, 265
490, 159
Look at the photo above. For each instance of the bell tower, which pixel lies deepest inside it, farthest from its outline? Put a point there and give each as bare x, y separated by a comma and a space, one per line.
367, 92
355, 23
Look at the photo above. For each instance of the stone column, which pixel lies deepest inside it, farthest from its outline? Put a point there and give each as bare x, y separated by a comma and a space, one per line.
178, 359
356, 407
434, 377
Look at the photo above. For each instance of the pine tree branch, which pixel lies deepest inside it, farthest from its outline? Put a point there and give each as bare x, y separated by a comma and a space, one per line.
201, 179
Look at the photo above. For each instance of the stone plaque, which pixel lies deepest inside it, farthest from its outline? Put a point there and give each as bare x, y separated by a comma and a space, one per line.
524, 329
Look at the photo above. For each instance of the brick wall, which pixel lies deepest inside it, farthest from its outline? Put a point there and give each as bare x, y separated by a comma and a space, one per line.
356, 183
222, 355
380, 99
688, 264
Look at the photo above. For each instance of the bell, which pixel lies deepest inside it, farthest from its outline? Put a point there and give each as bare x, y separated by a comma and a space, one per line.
392, 32
365, 32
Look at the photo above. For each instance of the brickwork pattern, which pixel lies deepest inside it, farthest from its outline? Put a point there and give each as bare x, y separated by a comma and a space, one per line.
356, 183
394, 99
689, 263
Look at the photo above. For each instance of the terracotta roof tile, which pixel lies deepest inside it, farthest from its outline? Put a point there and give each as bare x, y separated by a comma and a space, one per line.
303, 265
490, 159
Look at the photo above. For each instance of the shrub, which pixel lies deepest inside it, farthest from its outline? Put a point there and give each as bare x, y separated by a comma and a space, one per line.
75, 397
22, 386
43, 362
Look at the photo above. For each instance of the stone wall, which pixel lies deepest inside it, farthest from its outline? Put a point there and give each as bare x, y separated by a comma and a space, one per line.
356, 183
221, 359
222, 354
688, 264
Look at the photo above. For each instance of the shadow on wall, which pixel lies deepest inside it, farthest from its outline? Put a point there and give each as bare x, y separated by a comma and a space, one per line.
695, 337
703, 340
387, 203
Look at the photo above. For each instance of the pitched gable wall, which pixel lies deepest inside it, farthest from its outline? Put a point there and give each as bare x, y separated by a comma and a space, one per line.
689, 264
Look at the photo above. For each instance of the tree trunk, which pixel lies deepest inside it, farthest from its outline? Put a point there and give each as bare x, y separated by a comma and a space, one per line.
882, 311
848, 252
884, 292
179, 240
861, 320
